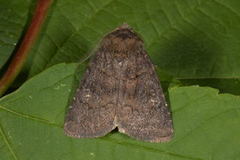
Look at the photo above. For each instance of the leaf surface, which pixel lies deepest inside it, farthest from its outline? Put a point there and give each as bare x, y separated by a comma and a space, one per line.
206, 125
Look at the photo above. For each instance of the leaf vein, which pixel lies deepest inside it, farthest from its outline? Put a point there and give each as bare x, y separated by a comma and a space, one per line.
154, 150
191, 24
76, 29
227, 7
7, 142
30, 117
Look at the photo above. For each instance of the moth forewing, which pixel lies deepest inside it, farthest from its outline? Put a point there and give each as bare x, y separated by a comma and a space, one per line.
120, 89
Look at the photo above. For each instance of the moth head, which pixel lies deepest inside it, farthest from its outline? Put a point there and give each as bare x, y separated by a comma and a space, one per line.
122, 38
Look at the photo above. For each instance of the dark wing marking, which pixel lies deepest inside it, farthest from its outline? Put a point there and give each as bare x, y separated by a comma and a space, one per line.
92, 111
143, 112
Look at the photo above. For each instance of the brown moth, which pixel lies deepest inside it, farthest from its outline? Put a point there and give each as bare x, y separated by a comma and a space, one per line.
120, 89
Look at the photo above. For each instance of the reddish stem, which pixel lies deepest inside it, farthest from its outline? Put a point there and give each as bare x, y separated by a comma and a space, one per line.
21, 54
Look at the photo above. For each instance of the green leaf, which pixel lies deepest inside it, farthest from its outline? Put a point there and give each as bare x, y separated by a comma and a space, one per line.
196, 42
224, 85
206, 125
13, 18
186, 38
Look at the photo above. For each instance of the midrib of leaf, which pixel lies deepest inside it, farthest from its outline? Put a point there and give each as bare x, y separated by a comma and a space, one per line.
46, 122
29, 117
153, 150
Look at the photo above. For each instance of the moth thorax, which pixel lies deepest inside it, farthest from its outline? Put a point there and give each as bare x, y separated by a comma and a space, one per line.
126, 45
120, 57
123, 40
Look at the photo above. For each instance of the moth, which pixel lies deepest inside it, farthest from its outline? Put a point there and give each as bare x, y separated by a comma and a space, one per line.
120, 88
